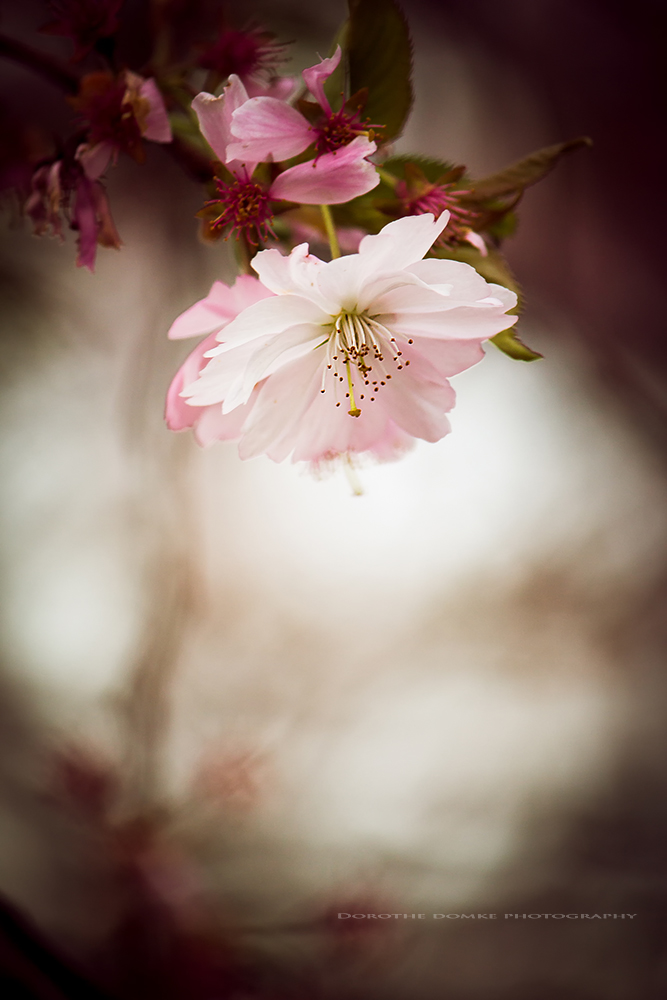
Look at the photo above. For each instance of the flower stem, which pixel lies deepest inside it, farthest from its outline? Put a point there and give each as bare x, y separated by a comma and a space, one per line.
331, 231
243, 254
387, 177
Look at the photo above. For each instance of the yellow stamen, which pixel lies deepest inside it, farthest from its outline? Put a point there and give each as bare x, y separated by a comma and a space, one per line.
354, 411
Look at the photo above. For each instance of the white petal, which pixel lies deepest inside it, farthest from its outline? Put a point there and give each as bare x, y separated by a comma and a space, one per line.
271, 316
275, 354
401, 243
281, 404
463, 322
298, 272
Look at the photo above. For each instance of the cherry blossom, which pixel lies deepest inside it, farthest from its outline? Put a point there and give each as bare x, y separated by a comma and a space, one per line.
120, 112
269, 129
348, 356
245, 202
64, 187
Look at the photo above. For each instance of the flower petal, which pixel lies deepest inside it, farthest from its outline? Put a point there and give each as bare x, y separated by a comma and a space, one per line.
215, 116
85, 219
281, 404
278, 352
271, 316
178, 413
94, 159
315, 76
417, 401
157, 127
266, 129
219, 307
401, 243
449, 357
298, 272
477, 321
332, 179
214, 425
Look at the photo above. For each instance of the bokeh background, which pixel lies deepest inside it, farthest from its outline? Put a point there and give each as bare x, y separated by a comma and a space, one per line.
236, 699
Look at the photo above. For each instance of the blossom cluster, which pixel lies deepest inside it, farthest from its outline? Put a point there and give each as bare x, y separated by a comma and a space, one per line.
313, 357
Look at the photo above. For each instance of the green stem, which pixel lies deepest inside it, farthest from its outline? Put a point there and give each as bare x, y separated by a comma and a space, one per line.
243, 256
331, 231
387, 177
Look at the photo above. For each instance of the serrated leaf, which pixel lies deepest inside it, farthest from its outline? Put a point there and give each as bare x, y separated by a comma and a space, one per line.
508, 342
525, 172
433, 170
379, 56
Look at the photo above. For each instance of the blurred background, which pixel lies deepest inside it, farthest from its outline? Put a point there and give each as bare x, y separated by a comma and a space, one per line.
237, 700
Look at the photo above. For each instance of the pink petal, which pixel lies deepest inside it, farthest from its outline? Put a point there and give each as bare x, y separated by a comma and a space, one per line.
179, 414
417, 400
266, 129
85, 218
282, 88
449, 357
215, 117
315, 76
214, 425
220, 306
94, 159
157, 127
332, 179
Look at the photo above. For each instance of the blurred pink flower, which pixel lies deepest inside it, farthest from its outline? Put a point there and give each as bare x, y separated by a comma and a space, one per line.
352, 355
209, 316
119, 112
63, 188
244, 203
251, 54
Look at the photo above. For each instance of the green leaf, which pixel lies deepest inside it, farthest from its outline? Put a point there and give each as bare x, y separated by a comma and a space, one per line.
379, 56
525, 172
433, 170
508, 342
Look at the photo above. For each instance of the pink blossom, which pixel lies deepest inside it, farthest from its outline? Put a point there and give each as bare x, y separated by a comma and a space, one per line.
353, 355
251, 54
333, 178
269, 129
64, 188
120, 112
209, 316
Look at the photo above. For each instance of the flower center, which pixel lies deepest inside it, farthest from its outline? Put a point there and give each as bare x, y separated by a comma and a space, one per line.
436, 199
357, 341
244, 207
339, 129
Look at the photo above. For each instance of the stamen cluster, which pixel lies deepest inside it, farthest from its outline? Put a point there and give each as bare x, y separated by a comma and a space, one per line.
438, 198
337, 130
360, 341
244, 208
